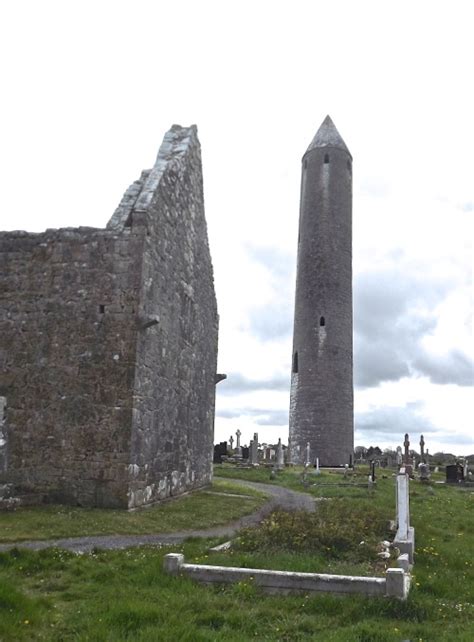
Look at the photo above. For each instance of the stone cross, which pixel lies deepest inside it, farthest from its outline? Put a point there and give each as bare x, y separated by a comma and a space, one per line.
308, 454
422, 448
406, 444
237, 434
231, 442
408, 463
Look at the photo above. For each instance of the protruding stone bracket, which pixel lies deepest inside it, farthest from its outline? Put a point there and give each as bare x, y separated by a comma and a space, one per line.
219, 377
149, 322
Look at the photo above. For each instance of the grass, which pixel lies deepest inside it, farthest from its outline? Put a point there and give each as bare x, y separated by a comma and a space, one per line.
124, 595
326, 484
200, 509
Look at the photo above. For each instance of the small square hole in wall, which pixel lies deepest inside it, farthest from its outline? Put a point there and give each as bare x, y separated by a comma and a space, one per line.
101, 309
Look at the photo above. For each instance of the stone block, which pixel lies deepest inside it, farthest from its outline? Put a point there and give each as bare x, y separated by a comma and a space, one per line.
397, 583
173, 562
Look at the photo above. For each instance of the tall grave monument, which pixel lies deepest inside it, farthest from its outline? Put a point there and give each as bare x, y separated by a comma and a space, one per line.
321, 403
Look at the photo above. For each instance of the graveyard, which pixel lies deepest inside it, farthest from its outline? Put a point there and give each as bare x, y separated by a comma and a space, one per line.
55, 594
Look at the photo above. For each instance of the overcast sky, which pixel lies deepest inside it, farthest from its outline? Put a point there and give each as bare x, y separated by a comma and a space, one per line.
89, 89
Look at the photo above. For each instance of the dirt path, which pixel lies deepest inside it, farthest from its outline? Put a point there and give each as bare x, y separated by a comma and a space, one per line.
278, 497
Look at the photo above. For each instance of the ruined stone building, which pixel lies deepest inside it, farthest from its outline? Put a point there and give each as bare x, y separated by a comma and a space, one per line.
321, 402
108, 347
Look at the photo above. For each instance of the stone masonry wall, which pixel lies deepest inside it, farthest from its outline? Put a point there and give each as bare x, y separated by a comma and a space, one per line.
173, 423
105, 406
67, 356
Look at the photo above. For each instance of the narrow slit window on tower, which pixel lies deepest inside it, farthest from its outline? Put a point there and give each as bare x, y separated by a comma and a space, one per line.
295, 362
349, 166
101, 309
322, 321
305, 164
326, 159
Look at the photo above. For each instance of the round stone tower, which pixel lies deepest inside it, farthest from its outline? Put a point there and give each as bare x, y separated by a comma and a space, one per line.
321, 405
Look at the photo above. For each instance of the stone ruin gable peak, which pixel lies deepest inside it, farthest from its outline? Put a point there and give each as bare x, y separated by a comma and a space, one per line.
177, 142
174, 388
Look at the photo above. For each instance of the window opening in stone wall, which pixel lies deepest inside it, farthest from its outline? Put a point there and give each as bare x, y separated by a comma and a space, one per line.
326, 159
295, 362
101, 309
349, 166
322, 321
305, 164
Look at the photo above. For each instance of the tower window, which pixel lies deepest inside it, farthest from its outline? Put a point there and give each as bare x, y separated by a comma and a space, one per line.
349, 166
322, 321
101, 309
305, 164
326, 159
295, 362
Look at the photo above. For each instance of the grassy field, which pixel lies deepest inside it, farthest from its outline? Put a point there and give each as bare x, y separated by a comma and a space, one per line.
124, 595
210, 507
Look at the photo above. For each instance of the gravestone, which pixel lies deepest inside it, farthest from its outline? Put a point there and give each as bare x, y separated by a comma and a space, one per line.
454, 474
318, 472
254, 450
245, 452
219, 450
372, 471
231, 442
237, 434
399, 456
280, 461
308, 455
424, 471
405, 536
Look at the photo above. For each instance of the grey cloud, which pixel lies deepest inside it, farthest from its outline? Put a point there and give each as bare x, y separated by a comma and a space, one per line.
375, 362
236, 384
375, 425
454, 367
273, 418
390, 321
262, 417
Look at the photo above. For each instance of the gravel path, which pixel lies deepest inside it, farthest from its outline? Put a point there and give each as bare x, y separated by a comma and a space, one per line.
278, 497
